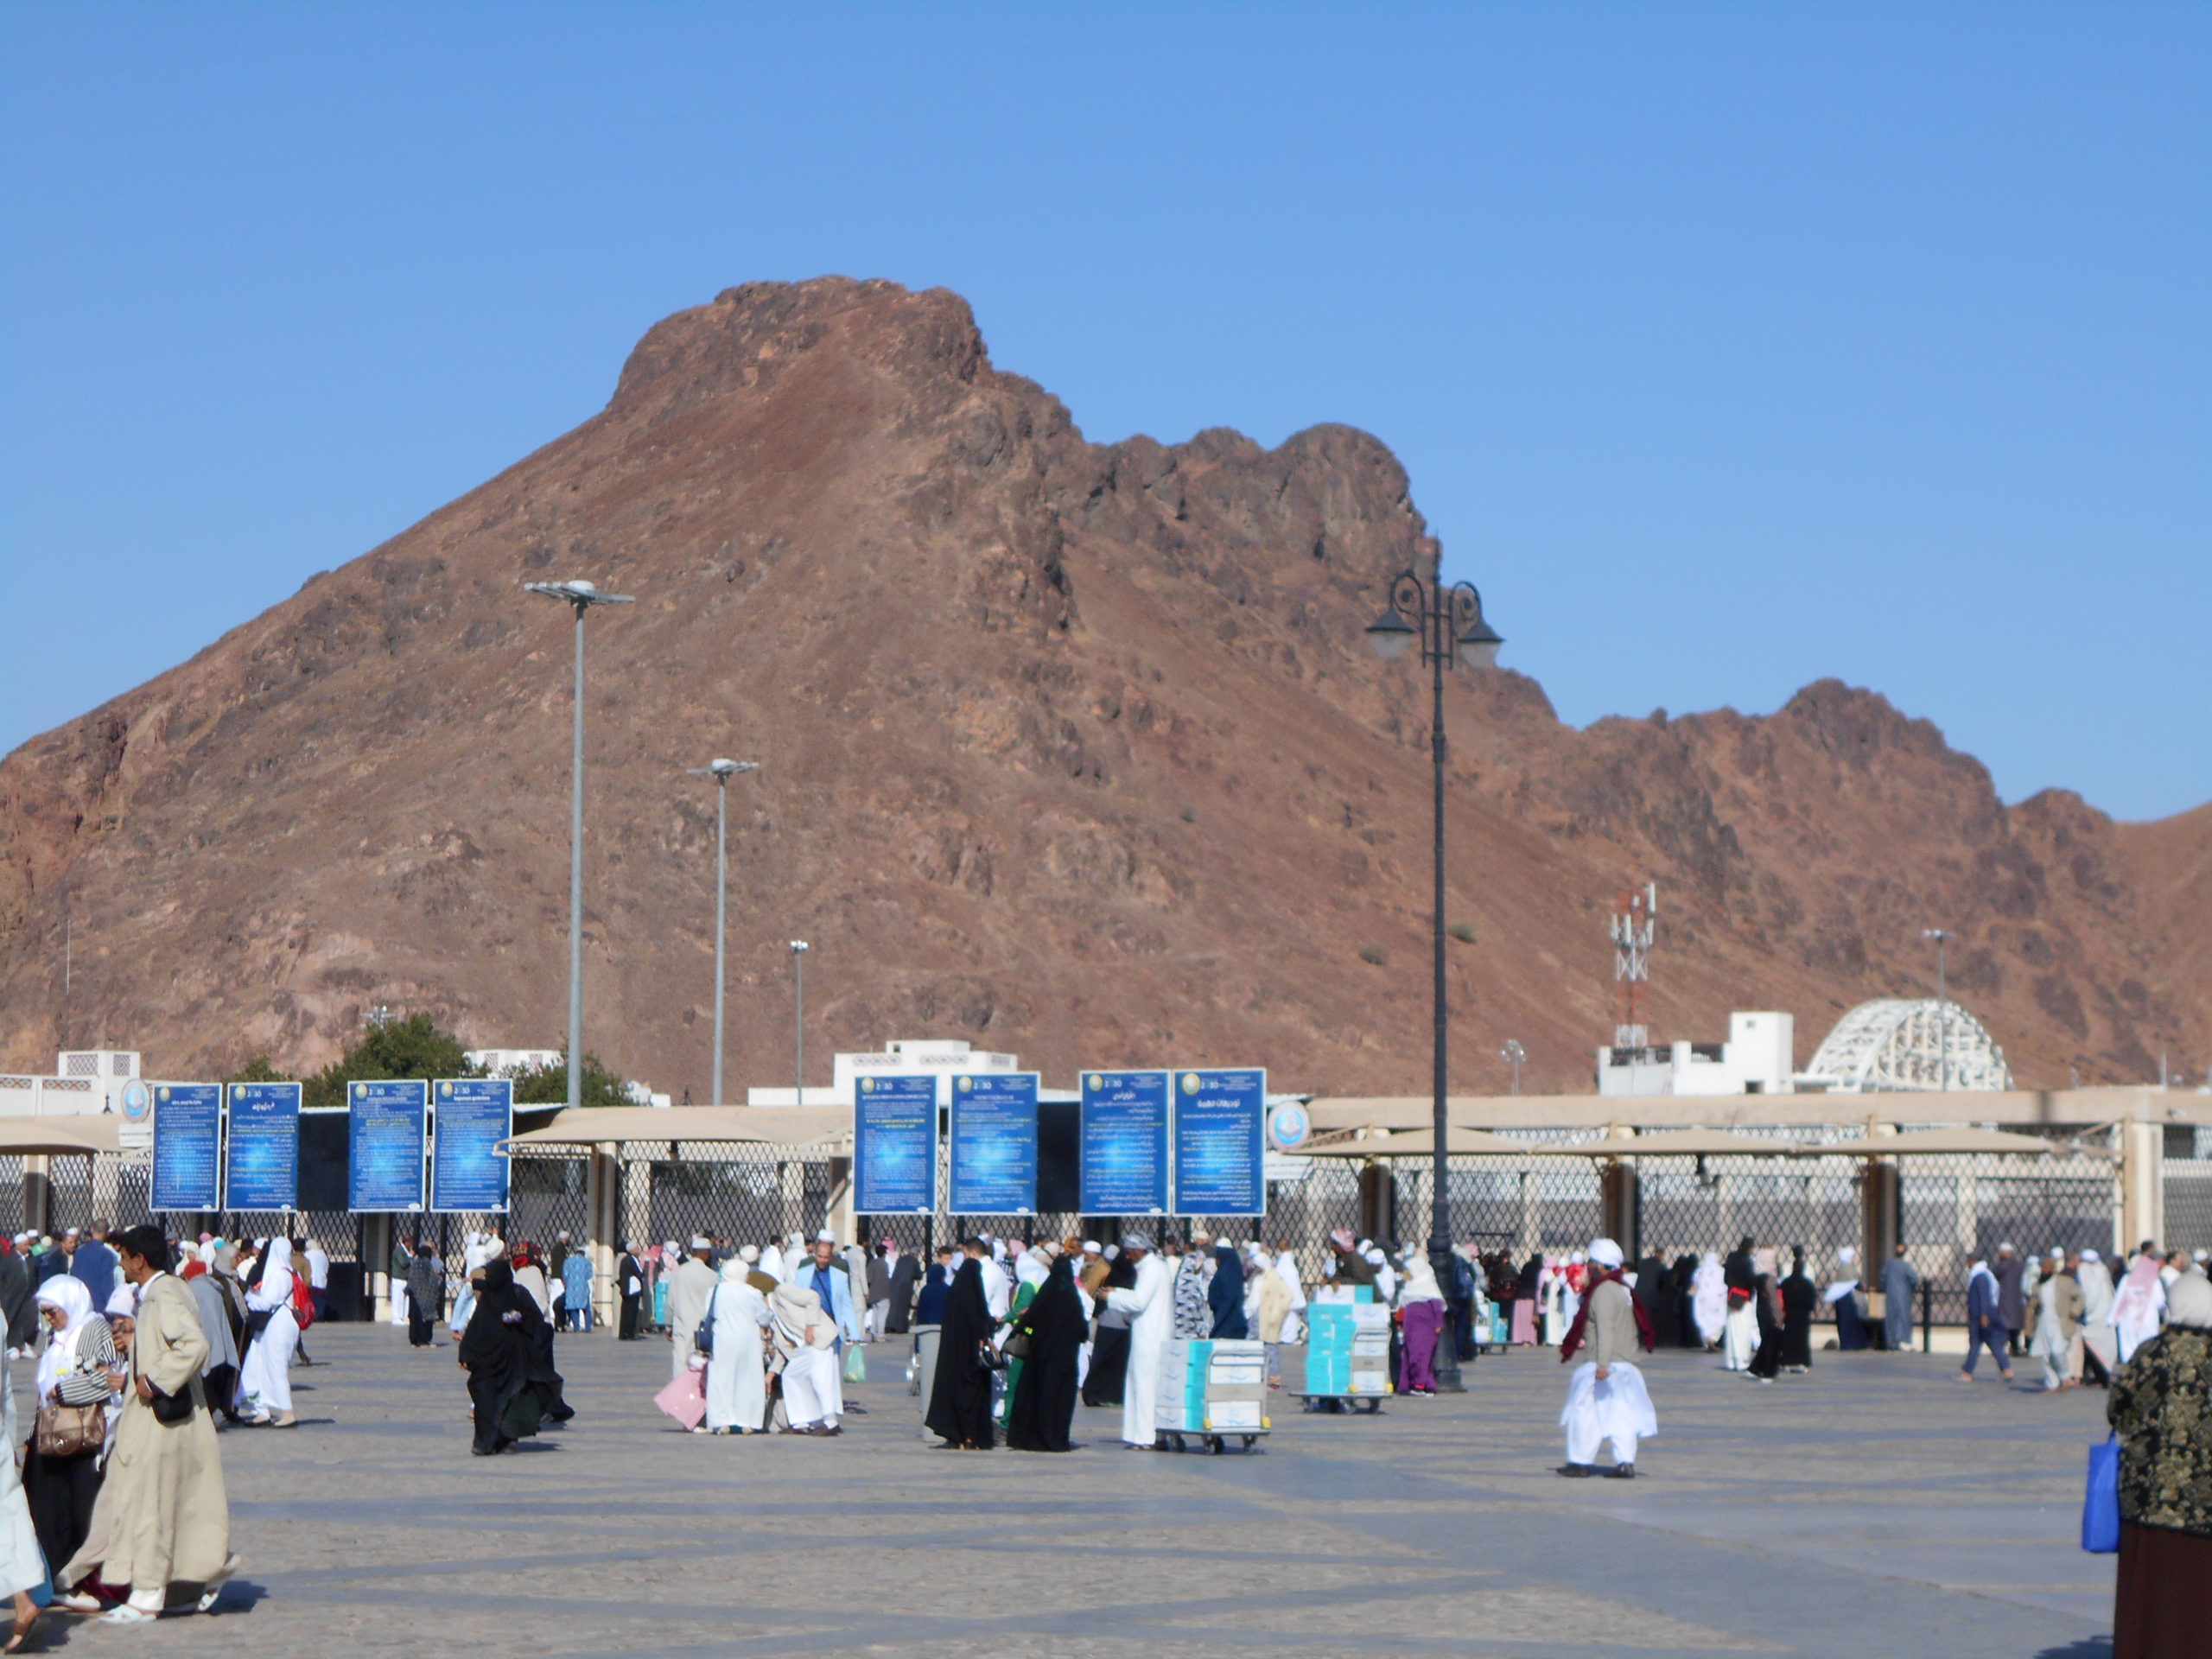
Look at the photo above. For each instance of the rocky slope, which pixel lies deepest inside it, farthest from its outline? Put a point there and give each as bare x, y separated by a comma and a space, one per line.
1070, 749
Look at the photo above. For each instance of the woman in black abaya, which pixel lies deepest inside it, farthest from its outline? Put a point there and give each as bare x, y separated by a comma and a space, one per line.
1799, 1299
960, 1397
509, 1382
1043, 1400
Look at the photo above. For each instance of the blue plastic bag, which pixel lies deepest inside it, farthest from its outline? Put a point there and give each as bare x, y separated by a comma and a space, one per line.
2100, 1502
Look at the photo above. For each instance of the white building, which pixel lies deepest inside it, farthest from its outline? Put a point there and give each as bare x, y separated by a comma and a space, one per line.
1758, 1059
506, 1062
86, 1081
945, 1058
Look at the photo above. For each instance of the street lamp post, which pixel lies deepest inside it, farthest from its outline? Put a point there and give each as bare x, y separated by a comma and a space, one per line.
581, 596
1943, 1007
798, 1023
721, 772
1447, 622
1513, 1054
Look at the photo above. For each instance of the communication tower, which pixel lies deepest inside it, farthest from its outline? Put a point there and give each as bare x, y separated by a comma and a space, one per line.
1632, 931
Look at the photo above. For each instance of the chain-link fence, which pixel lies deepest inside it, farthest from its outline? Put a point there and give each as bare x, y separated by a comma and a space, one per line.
2188, 1177
1952, 1209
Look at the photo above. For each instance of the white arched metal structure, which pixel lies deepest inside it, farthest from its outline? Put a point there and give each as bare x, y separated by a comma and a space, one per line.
1892, 1044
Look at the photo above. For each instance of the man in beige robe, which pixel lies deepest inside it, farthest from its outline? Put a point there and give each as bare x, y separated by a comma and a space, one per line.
163, 1516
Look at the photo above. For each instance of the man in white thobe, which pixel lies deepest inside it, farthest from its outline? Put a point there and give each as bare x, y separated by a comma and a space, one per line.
1150, 1305
687, 1302
1605, 1397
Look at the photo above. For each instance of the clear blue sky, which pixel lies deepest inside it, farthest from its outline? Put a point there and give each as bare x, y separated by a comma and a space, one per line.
1728, 346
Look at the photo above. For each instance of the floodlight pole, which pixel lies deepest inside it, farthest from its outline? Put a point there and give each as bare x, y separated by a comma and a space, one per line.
1447, 622
1942, 1009
581, 596
798, 1022
721, 772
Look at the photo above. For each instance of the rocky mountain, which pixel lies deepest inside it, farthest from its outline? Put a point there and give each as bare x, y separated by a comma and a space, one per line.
1069, 749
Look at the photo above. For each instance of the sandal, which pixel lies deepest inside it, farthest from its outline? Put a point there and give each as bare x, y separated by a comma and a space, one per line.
20, 1632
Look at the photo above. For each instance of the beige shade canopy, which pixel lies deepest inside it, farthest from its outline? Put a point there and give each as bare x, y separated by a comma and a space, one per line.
22, 1137
1421, 1143
1956, 1141
585, 1126
1674, 1143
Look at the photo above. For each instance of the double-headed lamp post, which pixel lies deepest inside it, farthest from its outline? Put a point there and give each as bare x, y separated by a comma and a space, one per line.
1447, 624
721, 772
581, 596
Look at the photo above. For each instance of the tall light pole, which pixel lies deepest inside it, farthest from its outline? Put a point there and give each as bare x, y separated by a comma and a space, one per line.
1447, 621
721, 772
1513, 1054
798, 1022
1943, 1007
581, 596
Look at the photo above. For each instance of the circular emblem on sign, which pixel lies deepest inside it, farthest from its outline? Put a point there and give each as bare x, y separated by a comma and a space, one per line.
868, 1085
1288, 1126
361, 1089
1098, 1082
445, 1091
136, 1100
967, 1084
1190, 1083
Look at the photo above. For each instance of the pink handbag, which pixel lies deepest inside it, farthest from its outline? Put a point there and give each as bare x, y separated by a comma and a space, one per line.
685, 1399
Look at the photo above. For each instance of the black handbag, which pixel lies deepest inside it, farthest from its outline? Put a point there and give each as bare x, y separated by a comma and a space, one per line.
170, 1409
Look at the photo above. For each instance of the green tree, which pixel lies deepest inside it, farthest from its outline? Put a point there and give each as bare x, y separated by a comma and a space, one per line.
547, 1085
258, 1070
413, 1047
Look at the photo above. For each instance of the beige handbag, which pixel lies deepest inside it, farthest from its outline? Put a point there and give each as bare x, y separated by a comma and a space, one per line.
62, 1431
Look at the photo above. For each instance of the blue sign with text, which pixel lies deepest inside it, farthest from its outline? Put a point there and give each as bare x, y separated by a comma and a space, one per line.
1220, 1140
894, 1145
261, 1161
384, 1161
1125, 1117
468, 1169
187, 1145
995, 1143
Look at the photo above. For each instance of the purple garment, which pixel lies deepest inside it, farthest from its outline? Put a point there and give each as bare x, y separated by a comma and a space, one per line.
1420, 1325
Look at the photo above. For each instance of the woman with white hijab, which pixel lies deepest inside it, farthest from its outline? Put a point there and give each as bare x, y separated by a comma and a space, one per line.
265, 1378
772, 1261
2138, 1306
1709, 1298
76, 1369
1294, 1325
737, 1384
23, 1564
2097, 1334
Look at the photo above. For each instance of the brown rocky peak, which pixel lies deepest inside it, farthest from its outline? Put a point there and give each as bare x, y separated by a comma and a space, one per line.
1072, 749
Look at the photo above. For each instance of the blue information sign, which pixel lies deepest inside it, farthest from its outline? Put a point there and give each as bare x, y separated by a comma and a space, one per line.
468, 1170
1125, 1143
383, 1163
894, 1145
1220, 1132
995, 1143
261, 1167
187, 1145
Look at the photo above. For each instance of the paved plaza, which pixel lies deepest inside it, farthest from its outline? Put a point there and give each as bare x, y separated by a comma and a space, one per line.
1874, 1507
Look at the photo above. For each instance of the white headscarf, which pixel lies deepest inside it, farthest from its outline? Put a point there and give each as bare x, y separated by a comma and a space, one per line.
274, 1290
1847, 1276
1419, 1283
772, 1264
76, 1305
1032, 1269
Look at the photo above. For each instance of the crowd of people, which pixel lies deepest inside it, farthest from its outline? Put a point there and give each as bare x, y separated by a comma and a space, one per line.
118, 1503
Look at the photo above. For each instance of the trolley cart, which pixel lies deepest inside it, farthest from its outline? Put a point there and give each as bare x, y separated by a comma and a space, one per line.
1347, 1357
1213, 1392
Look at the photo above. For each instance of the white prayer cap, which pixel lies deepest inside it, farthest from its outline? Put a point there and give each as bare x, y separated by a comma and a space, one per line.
1374, 1253
1091, 1247
123, 1302
1605, 1252
2004, 1249
1577, 1257
2091, 1255
1136, 1241
699, 1242
825, 1237
748, 1252
71, 1233
1846, 1253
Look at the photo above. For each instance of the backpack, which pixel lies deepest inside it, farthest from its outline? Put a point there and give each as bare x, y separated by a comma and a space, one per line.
302, 1301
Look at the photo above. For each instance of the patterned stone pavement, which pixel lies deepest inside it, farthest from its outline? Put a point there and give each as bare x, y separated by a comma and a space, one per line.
1872, 1507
